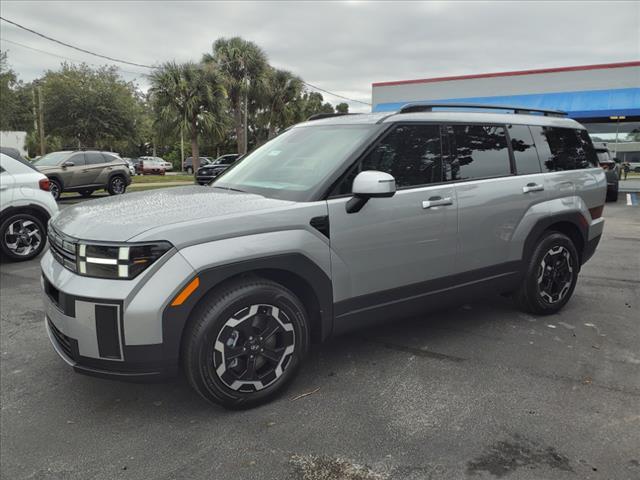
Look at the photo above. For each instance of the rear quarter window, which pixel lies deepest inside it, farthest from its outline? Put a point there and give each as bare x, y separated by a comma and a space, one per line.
565, 149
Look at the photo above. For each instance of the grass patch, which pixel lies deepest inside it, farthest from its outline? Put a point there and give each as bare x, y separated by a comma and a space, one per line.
144, 179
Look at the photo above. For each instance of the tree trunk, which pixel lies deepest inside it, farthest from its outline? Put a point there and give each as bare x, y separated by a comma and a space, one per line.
239, 124
272, 131
195, 151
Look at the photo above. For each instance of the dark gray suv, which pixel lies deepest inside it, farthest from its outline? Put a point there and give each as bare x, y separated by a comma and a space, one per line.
84, 172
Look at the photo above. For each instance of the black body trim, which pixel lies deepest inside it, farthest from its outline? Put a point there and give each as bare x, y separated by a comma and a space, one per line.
174, 319
420, 297
322, 225
575, 218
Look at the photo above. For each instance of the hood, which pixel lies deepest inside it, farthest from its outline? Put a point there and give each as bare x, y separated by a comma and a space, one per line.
120, 218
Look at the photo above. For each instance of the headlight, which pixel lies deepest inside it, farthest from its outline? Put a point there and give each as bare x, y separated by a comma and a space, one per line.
118, 261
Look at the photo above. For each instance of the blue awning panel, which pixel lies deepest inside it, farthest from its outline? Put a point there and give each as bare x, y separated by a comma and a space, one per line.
585, 104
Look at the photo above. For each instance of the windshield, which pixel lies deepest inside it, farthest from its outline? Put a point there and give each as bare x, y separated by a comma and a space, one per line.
295, 162
53, 158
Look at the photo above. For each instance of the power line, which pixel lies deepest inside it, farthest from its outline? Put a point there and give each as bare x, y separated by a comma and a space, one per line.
112, 59
62, 56
74, 47
335, 94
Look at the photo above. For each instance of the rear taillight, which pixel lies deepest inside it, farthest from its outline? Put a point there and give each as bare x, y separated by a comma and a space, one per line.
596, 212
44, 184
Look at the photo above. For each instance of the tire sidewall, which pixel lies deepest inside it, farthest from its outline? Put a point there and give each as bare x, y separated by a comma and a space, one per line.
110, 187
550, 241
6, 252
208, 382
55, 182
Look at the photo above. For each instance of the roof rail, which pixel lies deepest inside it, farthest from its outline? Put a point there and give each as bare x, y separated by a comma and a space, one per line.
428, 107
320, 116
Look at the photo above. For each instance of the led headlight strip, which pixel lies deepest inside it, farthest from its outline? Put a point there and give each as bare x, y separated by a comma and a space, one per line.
114, 261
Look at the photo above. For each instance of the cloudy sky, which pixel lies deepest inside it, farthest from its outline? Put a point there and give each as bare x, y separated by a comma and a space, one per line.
339, 46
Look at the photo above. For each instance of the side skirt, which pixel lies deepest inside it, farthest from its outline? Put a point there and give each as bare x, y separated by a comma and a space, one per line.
421, 297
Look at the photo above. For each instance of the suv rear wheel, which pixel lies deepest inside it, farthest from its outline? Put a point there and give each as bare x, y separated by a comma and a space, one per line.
245, 343
551, 275
22, 237
117, 185
55, 188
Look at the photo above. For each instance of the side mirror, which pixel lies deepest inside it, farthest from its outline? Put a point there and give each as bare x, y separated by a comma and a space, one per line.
68, 163
370, 184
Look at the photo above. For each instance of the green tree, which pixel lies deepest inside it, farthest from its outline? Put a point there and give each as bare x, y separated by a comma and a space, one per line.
89, 107
243, 65
311, 103
342, 107
282, 89
188, 98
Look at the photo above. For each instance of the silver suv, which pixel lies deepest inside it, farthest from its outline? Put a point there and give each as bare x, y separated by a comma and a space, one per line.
335, 224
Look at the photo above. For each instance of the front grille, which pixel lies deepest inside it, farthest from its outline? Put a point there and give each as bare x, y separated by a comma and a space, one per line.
62, 340
64, 249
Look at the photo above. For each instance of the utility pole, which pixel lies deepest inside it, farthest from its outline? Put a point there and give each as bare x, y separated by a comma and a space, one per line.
41, 120
181, 149
246, 120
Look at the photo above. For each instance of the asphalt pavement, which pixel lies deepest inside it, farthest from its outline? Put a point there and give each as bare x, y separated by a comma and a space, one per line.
479, 391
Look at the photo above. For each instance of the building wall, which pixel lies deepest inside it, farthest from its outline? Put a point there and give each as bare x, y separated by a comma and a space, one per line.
580, 90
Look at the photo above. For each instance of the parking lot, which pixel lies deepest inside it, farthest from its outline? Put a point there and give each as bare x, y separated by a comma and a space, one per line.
481, 391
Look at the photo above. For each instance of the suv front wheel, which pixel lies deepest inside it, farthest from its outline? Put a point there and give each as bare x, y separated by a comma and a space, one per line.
550, 276
245, 343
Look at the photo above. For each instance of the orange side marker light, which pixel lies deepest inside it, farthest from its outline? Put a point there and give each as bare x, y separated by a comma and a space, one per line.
186, 292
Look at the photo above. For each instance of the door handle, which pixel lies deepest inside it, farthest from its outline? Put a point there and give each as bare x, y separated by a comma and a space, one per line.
532, 187
437, 202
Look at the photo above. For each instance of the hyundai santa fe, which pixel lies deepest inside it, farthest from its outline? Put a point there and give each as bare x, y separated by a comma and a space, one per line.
337, 223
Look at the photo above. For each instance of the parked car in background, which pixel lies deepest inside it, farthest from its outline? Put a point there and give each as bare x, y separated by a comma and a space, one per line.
84, 172
167, 166
149, 166
26, 205
335, 224
207, 173
610, 170
131, 165
188, 163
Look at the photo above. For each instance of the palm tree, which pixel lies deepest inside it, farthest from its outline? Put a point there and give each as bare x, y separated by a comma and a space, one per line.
282, 89
189, 98
242, 63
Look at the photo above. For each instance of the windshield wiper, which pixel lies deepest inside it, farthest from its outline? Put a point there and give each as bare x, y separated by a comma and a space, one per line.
229, 188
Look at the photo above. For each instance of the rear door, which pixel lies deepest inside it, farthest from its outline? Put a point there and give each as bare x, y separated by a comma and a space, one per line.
390, 251
76, 174
492, 199
95, 163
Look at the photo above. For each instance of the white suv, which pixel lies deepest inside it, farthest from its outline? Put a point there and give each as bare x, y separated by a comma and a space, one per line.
26, 205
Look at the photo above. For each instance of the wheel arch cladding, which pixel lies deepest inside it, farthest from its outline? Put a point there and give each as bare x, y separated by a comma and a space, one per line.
573, 225
35, 210
294, 271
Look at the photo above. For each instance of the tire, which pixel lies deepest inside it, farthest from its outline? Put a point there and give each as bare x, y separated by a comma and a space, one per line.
612, 195
550, 276
233, 319
190, 170
22, 237
117, 185
86, 193
55, 188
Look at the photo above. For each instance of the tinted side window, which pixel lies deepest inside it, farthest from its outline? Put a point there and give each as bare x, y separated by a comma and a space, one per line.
568, 150
477, 151
108, 158
93, 158
411, 153
587, 145
77, 159
524, 150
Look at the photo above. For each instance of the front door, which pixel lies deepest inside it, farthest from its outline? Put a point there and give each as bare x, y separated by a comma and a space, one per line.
394, 249
75, 175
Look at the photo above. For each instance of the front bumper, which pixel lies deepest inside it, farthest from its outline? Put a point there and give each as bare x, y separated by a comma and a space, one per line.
114, 328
